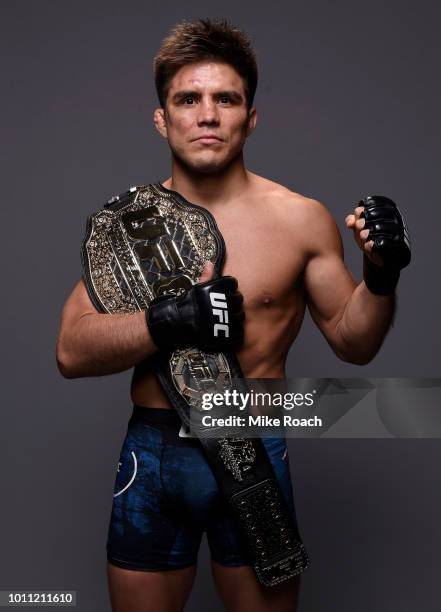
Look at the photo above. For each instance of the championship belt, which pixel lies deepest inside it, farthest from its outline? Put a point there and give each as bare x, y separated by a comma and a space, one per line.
148, 242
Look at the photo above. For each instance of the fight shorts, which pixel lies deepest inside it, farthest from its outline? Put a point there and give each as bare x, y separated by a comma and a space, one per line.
166, 497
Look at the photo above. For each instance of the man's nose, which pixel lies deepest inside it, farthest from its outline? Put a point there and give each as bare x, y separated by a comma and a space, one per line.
208, 113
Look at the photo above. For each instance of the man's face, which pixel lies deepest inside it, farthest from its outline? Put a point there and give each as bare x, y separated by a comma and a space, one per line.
206, 119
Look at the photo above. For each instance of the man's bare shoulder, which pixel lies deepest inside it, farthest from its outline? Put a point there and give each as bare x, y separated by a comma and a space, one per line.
306, 218
288, 201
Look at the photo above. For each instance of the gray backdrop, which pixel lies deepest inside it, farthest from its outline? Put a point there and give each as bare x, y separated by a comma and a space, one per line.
349, 100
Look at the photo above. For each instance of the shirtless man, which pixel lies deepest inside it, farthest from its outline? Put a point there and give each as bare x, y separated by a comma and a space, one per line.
285, 251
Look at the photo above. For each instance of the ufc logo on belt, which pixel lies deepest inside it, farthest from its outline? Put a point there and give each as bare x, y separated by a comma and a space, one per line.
220, 310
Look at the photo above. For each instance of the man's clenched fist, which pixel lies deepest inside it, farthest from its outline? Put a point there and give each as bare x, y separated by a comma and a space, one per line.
382, 235
208, 316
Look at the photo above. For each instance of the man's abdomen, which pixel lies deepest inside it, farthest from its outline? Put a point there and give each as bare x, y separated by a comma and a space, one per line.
267, 342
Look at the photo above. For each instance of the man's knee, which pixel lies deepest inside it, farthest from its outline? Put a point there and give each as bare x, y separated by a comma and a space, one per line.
149, 591
240, 589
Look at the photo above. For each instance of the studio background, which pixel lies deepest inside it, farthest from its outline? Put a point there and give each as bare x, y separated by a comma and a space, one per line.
348, 103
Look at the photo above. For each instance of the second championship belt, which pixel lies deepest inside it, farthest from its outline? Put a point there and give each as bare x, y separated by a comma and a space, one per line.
150, 242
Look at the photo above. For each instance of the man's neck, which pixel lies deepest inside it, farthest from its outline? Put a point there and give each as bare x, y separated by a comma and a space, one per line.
209, 190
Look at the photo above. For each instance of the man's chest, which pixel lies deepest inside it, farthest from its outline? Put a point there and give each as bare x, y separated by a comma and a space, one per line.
264, 255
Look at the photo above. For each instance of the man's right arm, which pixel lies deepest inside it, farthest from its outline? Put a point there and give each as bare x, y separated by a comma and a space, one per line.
209, 315
95, 344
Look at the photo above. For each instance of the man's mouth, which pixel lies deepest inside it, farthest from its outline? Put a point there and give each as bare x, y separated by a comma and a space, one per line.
207, 138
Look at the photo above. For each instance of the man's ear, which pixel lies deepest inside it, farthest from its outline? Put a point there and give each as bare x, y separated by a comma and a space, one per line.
252, 120
160, 121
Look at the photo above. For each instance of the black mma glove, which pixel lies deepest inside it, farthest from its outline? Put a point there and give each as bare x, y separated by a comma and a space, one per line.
208, 316
391, 242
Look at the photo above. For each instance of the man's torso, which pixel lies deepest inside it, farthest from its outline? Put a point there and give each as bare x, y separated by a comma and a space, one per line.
266, 233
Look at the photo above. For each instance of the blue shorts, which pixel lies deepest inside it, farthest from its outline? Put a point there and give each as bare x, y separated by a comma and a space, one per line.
166, 497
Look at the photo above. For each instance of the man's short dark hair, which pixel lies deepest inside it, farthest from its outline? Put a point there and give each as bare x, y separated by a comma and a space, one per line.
204, 39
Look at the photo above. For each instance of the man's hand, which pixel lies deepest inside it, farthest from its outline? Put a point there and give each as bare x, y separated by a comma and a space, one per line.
381, 234
356, 222
209, 316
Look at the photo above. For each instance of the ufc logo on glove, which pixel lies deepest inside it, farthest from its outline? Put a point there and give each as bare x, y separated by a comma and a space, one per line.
220, 309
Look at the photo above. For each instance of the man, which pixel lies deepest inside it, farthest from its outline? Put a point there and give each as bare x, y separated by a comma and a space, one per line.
285, 251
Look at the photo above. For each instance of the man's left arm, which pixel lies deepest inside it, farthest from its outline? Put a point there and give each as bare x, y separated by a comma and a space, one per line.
353, 318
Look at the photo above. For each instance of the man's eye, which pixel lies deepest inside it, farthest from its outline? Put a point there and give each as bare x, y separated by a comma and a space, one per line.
188, 100
224, 100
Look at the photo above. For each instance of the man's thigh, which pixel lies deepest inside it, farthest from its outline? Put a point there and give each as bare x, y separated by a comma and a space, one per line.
240, 590
162, 591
